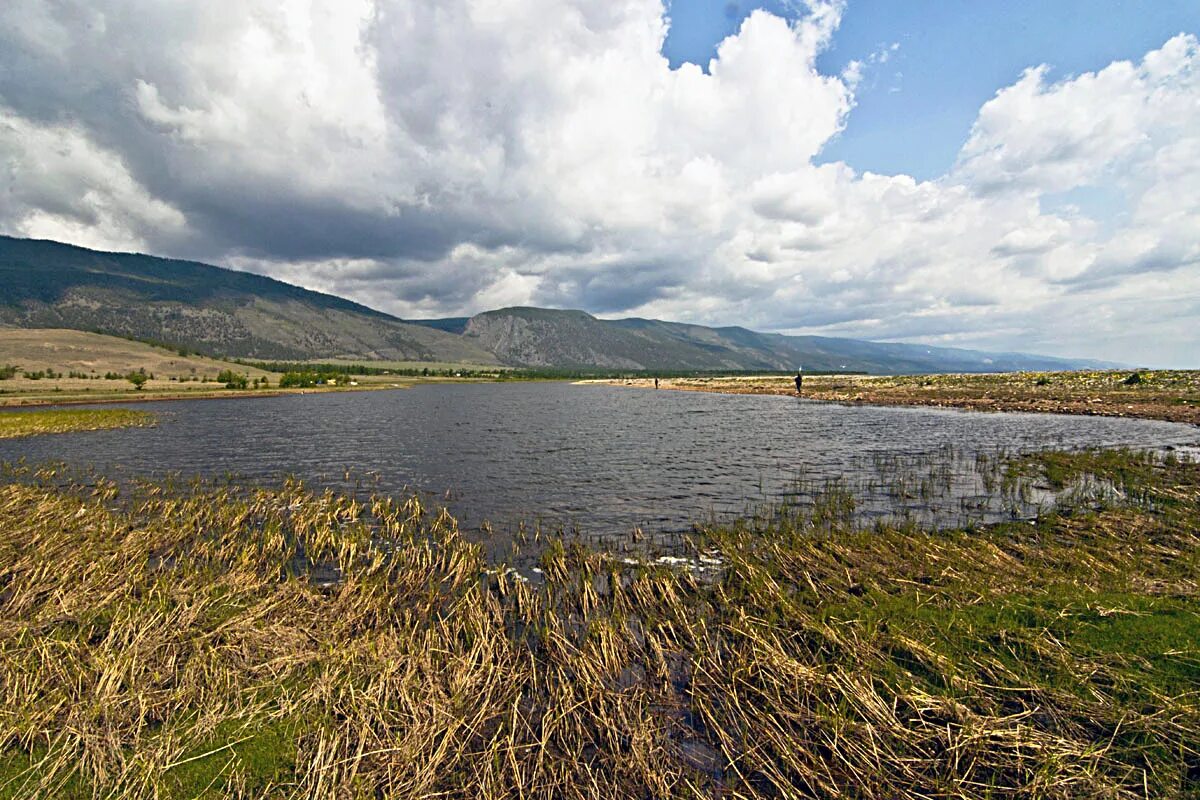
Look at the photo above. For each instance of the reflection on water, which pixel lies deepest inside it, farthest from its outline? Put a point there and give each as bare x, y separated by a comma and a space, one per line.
600, 459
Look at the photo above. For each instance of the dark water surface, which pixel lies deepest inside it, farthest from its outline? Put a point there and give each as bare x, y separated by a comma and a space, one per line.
602, 459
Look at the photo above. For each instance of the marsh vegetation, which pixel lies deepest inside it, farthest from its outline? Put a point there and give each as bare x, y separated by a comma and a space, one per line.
167, 640
1172, 395
15, 424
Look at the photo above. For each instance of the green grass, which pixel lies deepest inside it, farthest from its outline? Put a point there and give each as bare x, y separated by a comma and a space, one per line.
32, 423
262, 755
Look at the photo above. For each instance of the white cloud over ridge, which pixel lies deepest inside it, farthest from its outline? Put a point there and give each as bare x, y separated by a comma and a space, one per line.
436, 157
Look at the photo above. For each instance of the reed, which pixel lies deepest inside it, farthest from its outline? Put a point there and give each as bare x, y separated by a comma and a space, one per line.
32, 423
202, 641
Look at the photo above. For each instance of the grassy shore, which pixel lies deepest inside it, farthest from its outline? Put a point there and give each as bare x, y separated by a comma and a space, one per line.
166, 641
89, 395
61, 367
32, 423
1159, 394
26, 396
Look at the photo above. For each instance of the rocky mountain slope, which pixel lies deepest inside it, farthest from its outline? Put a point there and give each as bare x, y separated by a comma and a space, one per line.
536, 337
205, 308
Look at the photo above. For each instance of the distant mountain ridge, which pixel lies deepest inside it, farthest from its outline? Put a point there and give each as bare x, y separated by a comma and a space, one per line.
537, 337
234, 314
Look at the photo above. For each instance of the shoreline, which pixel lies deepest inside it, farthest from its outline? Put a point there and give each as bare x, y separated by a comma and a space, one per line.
17, 401
1003, 392
75, 399
993, 392
8, 403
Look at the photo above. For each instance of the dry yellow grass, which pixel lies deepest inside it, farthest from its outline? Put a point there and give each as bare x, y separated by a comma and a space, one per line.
296, 644
64, 352
175, 377
69, 351
1172, 395
33, 423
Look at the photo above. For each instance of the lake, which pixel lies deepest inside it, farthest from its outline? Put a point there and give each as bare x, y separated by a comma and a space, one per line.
598, 459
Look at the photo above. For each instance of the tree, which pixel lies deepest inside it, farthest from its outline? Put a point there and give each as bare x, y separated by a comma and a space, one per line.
295, 380
233, 380
138, 378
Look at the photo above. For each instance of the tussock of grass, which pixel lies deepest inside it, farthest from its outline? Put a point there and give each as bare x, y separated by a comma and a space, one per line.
167, 643
32, 423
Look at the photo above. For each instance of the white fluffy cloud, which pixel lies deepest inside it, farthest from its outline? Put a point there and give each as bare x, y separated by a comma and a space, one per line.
61, 186
445, 156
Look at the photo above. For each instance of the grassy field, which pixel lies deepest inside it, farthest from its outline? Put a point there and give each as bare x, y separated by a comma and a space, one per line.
62, 366
69, 351
1153, 394
169, 642
33, 423
55, 366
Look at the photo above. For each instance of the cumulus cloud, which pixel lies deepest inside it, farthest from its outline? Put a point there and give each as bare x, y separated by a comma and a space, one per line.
60, 185
435, 157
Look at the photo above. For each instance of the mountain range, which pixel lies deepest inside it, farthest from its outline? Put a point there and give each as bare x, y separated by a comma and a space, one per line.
204, 308
235, 314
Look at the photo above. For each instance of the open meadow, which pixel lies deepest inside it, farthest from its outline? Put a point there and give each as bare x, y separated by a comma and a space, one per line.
44, 366
51, 366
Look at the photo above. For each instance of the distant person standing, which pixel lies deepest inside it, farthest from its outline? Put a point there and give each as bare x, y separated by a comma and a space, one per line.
656, 383
800, 381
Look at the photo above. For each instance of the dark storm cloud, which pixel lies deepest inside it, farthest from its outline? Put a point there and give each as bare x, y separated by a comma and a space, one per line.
447, 155
610, 288
84, 70
1110, 270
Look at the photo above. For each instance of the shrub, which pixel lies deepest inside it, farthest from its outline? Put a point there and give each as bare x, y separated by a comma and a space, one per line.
233, 380
297, 380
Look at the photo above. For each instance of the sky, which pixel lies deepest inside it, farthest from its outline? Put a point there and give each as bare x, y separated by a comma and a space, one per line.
1021, 176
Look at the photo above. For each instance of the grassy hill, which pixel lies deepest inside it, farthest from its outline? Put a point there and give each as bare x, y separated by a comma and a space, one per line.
58, 365
205, 308
68, 351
